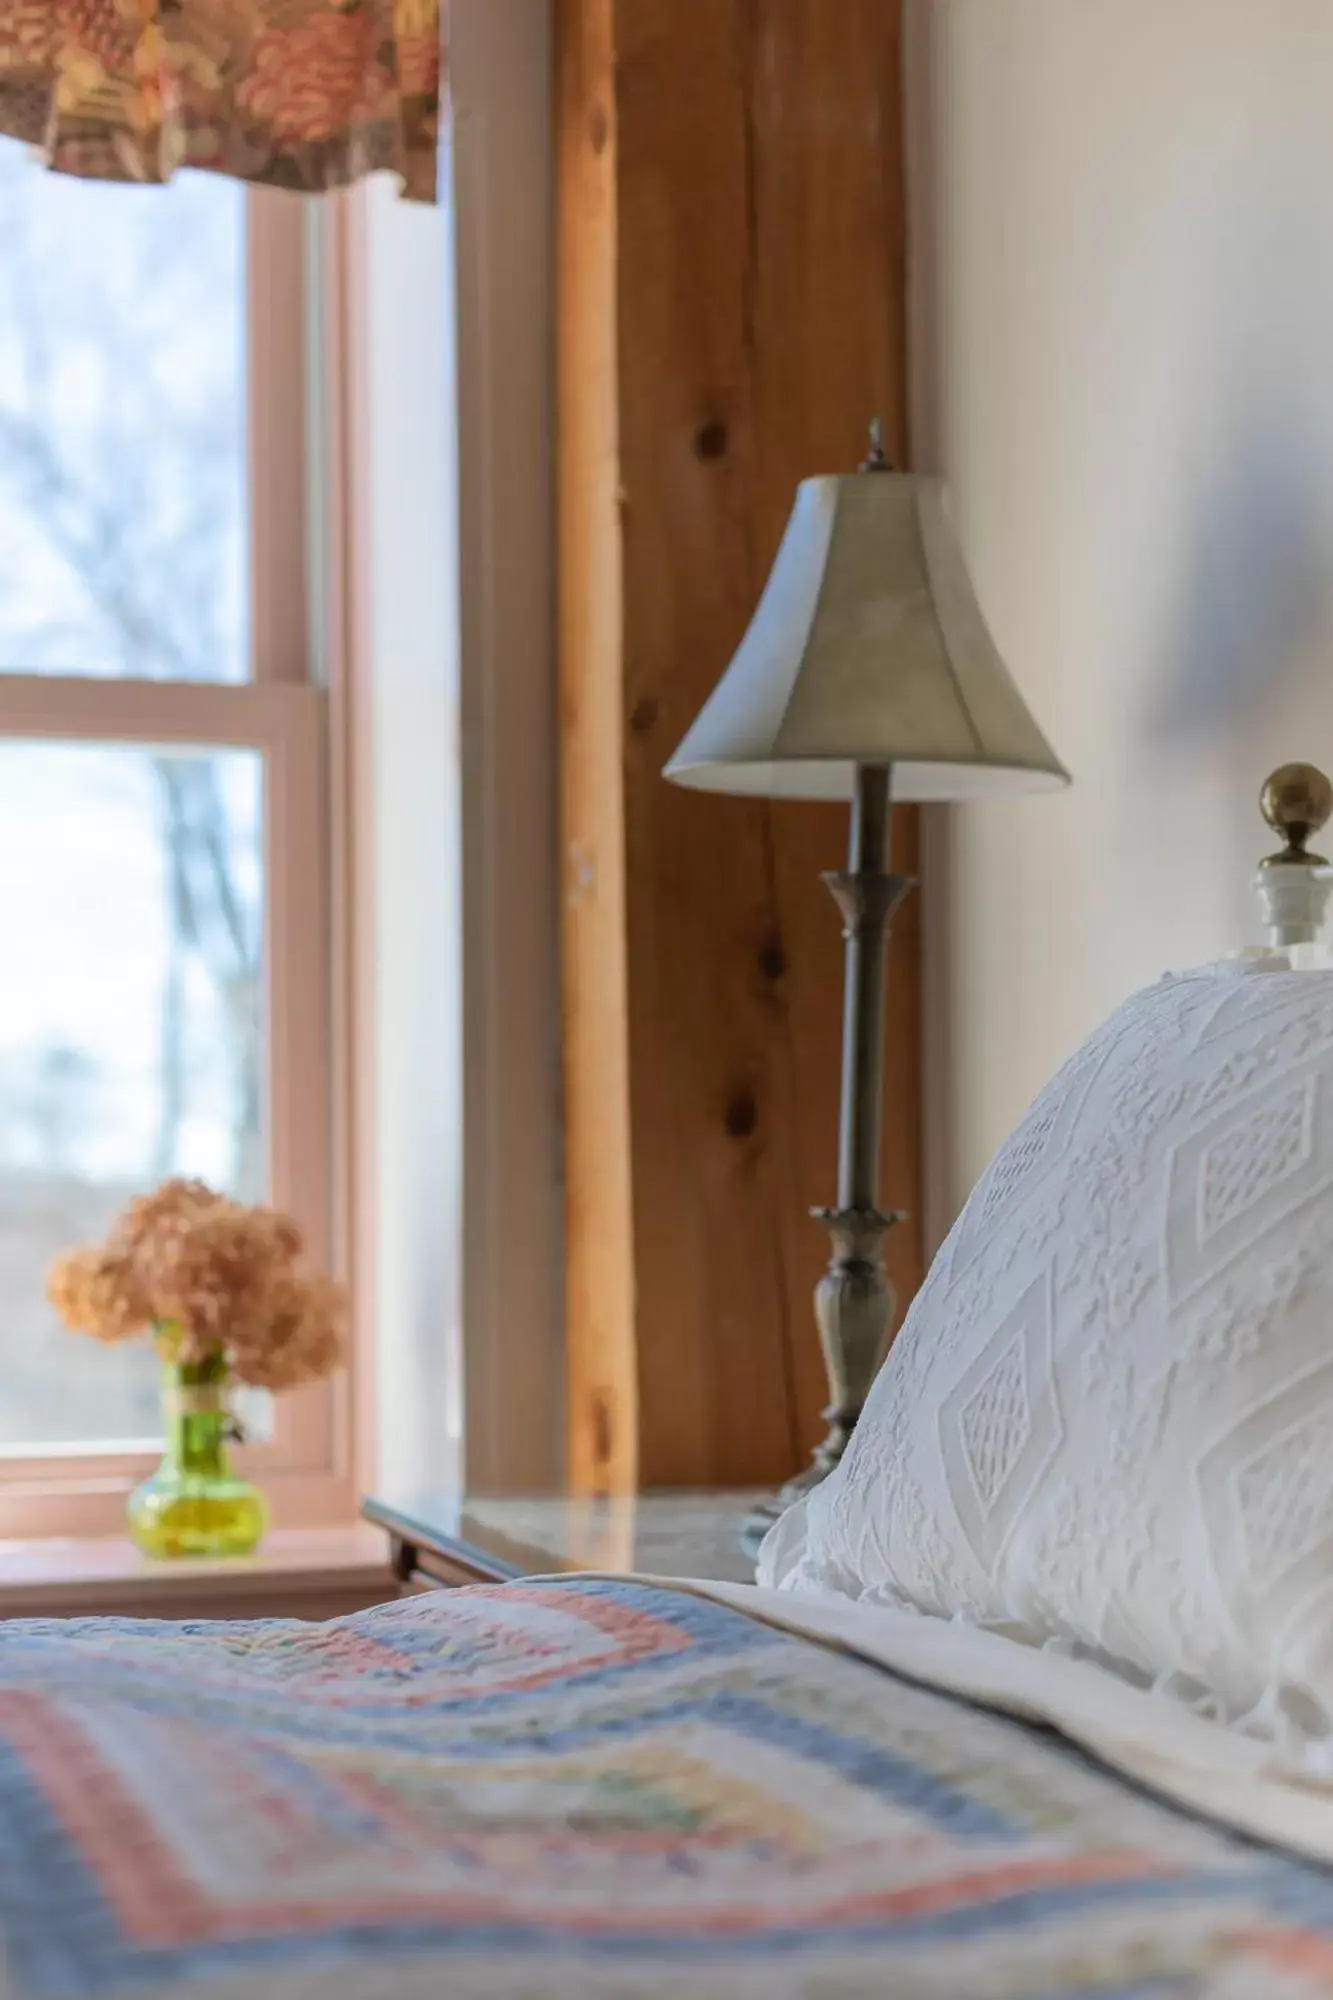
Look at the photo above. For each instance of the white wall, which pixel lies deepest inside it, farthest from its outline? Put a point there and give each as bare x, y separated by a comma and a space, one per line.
1125, 213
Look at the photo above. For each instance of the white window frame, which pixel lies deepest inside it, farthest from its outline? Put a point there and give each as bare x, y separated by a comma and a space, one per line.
306, 1466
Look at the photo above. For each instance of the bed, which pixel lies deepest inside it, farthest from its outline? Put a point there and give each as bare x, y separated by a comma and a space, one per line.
844, 1782
591, 1787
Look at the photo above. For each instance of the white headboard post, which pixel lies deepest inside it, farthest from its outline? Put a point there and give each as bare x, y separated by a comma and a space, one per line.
1294, 886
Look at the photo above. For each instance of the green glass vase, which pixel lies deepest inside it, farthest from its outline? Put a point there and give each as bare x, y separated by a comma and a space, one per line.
194, 1505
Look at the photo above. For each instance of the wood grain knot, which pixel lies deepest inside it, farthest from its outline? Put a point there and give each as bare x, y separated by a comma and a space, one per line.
741, 1115
599, 128
643, 714
772, 960
599, 1412
711, 439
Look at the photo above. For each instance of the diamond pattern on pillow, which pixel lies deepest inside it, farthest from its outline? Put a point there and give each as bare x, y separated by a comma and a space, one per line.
1256, 1153
1240, 1181
1000, 1425
995, 1423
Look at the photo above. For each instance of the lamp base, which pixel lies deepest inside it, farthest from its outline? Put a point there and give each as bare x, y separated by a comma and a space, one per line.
854, 1299
854, 1306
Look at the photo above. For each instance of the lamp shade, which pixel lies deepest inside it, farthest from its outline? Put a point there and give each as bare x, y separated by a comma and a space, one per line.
868, 647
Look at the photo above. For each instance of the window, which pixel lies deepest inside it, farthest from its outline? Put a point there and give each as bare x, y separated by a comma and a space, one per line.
279, 872
163, 789
124, 352
145, 864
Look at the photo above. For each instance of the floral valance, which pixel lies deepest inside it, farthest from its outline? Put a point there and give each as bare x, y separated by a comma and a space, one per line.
303, 94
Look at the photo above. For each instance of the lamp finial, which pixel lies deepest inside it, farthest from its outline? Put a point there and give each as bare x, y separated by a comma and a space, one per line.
876, 462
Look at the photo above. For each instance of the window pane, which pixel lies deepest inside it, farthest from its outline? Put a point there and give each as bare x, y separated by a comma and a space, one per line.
122, 426
131, 1035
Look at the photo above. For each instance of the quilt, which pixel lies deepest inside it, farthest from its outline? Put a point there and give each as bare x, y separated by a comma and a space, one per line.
587, 1787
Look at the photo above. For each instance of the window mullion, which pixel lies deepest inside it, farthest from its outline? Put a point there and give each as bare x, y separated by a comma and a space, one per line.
277, 325
84, 708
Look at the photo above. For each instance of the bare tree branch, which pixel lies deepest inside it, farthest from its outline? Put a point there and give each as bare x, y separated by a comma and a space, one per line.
125, 473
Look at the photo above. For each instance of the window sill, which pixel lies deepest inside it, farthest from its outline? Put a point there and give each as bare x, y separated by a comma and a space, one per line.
298, 1573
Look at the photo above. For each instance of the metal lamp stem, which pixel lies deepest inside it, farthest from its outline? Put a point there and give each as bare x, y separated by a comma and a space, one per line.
854, 1300
858, 894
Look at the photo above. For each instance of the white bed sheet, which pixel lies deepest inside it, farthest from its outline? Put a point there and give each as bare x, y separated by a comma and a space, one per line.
1205, 1767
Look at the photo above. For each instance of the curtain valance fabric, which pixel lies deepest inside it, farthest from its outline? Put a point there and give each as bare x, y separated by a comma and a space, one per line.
303, 94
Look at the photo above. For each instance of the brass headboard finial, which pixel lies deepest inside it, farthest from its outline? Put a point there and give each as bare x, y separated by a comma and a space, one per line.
1296, 801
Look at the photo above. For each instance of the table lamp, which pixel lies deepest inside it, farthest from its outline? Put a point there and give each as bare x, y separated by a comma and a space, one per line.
867, 674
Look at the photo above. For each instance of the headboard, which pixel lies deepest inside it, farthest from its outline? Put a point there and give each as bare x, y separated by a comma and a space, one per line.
1294, 885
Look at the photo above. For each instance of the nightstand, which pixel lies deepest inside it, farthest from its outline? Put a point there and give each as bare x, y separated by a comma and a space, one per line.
448, 1538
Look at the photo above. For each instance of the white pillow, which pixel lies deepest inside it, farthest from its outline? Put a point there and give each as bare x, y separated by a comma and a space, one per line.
1108, 1418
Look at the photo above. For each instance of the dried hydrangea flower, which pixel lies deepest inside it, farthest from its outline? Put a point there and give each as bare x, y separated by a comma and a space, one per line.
211, 1276
97, 1292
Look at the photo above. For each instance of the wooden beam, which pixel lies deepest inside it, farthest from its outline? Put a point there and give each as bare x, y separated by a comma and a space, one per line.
731, 314
600, 1310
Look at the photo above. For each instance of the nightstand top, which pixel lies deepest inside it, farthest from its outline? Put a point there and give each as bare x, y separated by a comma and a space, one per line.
506, 1536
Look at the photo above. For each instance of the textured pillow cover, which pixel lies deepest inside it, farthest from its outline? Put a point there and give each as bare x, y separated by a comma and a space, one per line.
1108, 1418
